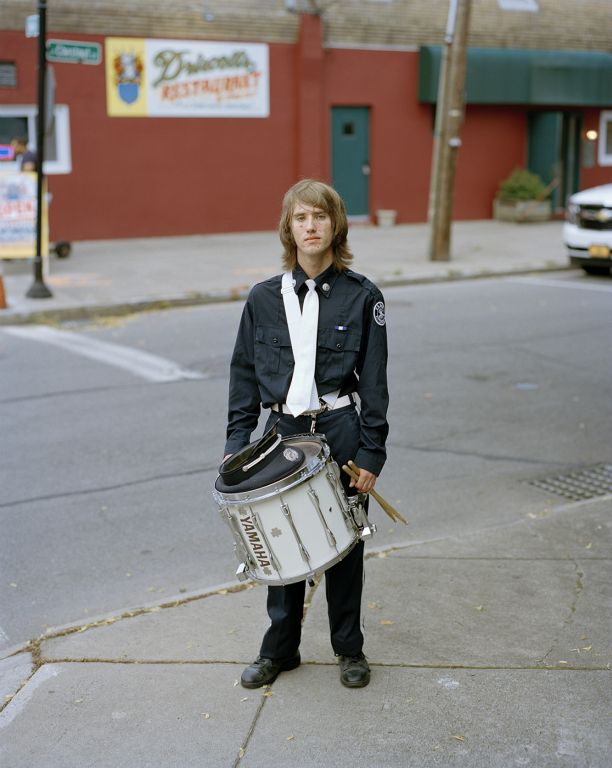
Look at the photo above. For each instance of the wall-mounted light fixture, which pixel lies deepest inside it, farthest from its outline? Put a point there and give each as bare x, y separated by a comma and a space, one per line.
591, 135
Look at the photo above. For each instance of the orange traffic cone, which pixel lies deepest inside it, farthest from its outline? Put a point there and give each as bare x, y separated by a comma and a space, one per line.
2, 294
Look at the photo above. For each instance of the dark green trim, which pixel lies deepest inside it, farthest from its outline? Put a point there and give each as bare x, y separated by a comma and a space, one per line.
533, 77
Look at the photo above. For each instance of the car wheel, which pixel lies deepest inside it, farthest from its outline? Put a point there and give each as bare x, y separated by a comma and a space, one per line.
591, 270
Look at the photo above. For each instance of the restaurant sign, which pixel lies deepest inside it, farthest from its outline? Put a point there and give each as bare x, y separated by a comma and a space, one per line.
186, 78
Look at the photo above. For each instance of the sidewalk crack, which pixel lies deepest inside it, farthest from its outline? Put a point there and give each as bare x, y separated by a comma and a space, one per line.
245, 743
113, 619
33, 648
578, 590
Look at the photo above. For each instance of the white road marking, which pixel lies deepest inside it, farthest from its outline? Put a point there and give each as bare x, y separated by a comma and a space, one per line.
143, 364
586, 286
3, 636
19, 701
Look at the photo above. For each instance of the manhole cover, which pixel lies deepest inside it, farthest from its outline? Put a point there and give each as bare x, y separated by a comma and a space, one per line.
579, 484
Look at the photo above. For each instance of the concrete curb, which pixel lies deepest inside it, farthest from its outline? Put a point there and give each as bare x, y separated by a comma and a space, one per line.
94, 311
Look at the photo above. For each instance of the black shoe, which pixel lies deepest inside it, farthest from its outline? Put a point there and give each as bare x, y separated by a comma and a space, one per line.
354, 671
264, 671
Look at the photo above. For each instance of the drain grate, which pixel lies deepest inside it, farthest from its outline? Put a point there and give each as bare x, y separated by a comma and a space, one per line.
580, 484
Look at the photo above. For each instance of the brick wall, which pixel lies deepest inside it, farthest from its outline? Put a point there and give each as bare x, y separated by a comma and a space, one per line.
259, 20
560, 24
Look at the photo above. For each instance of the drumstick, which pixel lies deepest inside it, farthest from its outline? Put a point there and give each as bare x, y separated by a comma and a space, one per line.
388, 509
391, 511
353, 471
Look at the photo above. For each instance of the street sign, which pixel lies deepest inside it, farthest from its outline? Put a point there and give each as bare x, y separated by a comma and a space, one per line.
74, 52
31, 26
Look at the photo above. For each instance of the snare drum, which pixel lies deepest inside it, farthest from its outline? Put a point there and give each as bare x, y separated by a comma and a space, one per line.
295, 527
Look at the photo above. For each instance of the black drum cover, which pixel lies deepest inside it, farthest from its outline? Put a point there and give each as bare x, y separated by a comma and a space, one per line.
258, 464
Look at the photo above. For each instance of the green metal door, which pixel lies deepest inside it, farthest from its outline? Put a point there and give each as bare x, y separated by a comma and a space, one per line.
544, 148
351, 158
554, 151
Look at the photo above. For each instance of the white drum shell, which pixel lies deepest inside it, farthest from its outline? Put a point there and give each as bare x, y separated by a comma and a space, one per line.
296, 528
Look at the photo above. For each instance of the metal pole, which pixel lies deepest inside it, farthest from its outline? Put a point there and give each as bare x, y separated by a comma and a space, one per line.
38, 289
450, 106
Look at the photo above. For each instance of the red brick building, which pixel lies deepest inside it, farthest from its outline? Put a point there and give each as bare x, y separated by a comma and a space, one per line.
347, 94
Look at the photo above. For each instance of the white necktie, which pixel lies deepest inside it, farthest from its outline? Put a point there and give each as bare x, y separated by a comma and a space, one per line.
302, 395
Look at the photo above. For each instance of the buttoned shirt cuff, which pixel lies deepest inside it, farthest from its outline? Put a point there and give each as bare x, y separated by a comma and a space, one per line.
370, 461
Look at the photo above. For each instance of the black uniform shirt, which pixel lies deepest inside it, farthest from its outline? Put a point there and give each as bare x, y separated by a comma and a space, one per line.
351, 356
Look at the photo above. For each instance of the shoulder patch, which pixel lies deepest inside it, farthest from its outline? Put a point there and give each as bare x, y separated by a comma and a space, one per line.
379, 313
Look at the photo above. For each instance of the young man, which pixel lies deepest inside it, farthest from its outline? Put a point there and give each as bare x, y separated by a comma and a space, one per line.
27, 158
349, 355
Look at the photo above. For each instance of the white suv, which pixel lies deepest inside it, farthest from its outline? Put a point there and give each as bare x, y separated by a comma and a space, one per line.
587, 232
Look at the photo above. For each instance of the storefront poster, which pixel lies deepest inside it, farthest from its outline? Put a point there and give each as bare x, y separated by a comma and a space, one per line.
186, 78
18, 208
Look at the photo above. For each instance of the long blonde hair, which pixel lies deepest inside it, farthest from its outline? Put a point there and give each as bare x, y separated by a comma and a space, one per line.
318, 195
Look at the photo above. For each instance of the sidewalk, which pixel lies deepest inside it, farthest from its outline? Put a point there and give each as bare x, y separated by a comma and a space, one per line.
120, 276
489, 650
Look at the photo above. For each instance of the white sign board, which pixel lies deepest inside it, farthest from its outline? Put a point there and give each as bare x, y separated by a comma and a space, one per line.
186, 78
18, 216
32, 26
519, 5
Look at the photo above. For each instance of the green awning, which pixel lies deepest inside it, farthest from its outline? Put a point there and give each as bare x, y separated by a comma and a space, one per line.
535, 77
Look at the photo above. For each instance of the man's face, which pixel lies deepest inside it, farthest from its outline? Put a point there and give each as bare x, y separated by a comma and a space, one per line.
312, 231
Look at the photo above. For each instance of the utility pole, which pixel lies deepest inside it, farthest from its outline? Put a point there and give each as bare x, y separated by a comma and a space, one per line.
449, 116
38, 289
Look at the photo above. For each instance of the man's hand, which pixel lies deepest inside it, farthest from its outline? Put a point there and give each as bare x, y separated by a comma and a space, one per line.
365, 482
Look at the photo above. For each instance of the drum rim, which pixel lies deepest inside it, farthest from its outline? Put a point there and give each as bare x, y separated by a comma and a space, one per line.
285, 484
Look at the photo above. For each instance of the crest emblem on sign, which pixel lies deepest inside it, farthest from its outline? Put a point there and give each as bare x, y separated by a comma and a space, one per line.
379, 313
128, 76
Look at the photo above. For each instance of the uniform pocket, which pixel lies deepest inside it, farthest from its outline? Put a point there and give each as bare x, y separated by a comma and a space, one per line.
272, 349
337, 353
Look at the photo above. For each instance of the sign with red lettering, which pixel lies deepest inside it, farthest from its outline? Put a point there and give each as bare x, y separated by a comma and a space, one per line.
18, 216
186, 78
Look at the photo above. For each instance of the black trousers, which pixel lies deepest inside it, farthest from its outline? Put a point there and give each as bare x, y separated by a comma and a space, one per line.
343, 581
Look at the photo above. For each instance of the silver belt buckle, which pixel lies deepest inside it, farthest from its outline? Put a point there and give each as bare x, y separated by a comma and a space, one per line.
317, 411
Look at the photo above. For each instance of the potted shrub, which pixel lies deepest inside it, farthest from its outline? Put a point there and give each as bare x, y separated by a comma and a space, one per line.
523, 196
